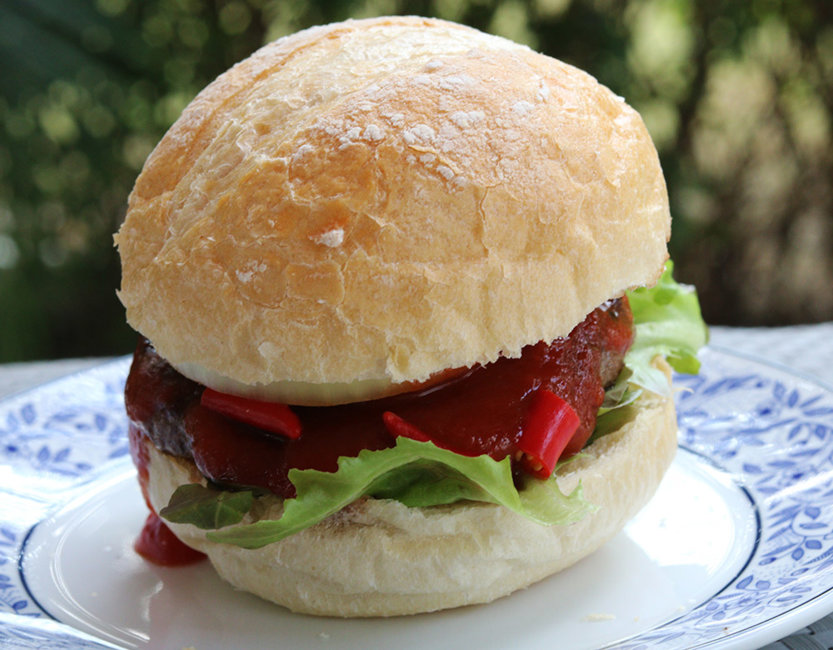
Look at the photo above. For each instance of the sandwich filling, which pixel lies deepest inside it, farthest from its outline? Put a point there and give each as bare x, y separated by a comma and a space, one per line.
482, 411
493, 433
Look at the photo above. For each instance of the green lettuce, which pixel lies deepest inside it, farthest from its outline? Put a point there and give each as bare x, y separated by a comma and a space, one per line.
668, 323
417, 474
208, 507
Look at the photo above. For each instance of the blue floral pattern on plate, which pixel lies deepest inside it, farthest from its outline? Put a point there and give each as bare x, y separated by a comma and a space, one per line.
54, 440
769, 429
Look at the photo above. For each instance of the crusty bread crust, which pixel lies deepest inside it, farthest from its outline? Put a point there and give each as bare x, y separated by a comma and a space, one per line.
380, 558
383, 199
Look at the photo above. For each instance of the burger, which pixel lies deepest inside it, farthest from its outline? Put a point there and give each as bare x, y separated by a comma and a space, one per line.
406, 316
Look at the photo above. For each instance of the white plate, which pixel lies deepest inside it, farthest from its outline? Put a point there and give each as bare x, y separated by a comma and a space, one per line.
734, 550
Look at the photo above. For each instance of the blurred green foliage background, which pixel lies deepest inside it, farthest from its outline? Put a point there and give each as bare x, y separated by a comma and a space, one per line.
737, 95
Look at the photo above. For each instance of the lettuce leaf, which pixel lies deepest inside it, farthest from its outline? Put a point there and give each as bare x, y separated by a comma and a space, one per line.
208, 507
417, 474
668, 323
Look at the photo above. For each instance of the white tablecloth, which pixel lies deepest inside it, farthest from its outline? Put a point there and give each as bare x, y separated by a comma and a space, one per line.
806, 350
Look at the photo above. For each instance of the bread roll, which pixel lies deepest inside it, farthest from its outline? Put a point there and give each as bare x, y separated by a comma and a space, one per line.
379, 200
367, 204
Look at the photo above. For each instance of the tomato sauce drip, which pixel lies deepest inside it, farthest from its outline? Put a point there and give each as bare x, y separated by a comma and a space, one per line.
479, 412
157, 544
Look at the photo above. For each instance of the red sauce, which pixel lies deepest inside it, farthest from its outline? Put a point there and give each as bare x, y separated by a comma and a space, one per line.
157, 544
480, 412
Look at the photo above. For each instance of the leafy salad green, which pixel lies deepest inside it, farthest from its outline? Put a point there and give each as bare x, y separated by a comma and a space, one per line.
668, 323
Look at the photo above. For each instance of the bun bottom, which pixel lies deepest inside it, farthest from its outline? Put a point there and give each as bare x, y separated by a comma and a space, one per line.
380, 558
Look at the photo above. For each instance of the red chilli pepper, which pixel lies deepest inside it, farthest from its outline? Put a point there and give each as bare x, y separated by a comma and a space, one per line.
271, 416
396, 426
549, 425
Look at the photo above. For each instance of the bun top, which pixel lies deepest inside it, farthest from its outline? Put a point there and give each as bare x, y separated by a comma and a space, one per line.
379, 200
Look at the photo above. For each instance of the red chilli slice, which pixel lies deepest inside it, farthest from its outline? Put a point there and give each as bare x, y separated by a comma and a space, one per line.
271, 416
396, 426
549, 425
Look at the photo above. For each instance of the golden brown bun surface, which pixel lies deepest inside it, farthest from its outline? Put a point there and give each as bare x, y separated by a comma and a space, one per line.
380, 558
383, 199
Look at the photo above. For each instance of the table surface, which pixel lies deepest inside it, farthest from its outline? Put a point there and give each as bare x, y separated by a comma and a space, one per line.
804, 349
